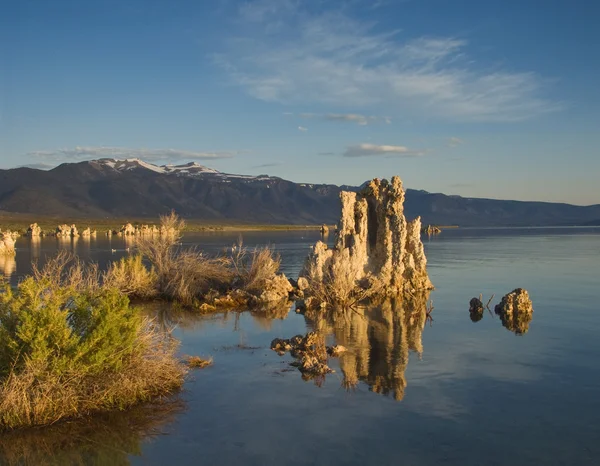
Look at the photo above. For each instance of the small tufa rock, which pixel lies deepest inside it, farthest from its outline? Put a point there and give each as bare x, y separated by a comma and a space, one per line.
310, 352
277, 288
34, 231
431, 230
475, 305
7, 244
515, 311
476, 309
127, 230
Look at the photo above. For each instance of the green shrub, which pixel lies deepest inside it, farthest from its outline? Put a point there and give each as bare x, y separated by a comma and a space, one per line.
68, 350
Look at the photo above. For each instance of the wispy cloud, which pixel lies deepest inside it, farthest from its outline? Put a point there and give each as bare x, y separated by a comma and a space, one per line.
461, 185
370, 150
454, 142
151, 155
302, 128
357, 118
286, 53
267, 165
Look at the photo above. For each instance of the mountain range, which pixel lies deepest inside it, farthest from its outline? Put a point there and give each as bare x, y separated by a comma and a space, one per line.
137, 189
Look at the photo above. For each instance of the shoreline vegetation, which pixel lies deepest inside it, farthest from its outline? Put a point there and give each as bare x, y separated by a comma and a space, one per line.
71, 346
71, 343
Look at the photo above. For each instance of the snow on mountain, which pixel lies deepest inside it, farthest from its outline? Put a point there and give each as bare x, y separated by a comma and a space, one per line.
191, 169
188, 168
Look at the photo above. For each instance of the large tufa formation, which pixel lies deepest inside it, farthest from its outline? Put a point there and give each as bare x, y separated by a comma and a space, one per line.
7, 244
515, 311
376, 248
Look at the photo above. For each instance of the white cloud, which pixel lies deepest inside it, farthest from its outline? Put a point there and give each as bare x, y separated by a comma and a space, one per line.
302, 128
370, 150
285, 53
150, 155
454, 142
359, 119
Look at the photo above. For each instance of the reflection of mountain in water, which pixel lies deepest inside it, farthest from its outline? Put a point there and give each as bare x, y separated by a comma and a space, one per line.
103, 440
378, 340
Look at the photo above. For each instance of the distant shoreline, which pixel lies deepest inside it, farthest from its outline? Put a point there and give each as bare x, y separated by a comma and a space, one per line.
21, 222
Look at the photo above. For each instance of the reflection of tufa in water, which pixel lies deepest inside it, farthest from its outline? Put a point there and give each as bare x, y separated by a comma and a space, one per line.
8, 265
378, 340
515, 311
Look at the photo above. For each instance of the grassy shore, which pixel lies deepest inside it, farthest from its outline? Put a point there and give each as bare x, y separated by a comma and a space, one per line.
20, 222
71, 346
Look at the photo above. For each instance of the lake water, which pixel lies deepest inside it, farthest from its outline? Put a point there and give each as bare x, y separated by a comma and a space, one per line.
407, 391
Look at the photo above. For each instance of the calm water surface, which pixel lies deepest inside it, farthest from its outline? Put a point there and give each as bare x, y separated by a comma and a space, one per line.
407, 391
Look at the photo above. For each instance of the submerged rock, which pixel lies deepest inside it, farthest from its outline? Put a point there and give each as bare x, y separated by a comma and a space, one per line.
515, 311
310, 352
377, 251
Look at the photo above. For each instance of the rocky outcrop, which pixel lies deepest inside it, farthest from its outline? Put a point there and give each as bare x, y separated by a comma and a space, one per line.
34, 231
7, 244
377, 251
515, 311
277, 288
324, 229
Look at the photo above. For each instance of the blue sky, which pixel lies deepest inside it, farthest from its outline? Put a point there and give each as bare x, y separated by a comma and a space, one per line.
479, 98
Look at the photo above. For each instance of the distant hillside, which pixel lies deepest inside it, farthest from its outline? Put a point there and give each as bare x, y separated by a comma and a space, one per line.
133, 188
